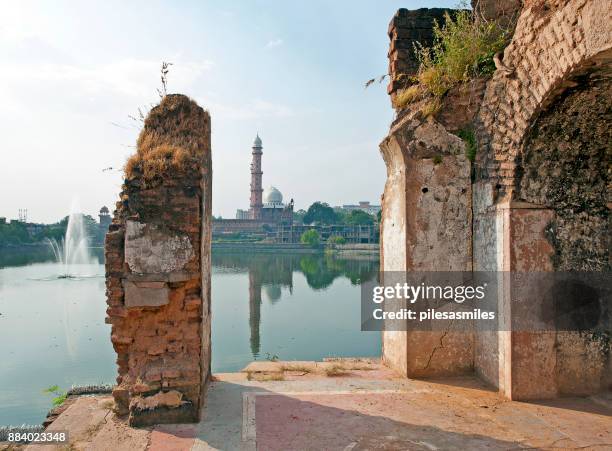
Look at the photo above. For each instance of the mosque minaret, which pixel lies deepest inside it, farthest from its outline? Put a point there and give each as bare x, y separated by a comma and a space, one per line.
256, 180
266, 205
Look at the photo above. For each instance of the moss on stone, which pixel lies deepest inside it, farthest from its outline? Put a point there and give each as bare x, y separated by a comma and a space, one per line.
566, 167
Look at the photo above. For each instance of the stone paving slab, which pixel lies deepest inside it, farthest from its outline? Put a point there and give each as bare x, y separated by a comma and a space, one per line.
359, 414
366, 410
93, 426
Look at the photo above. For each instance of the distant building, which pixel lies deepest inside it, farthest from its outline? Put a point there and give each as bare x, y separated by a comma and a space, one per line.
256, 179
97, 239
291, 233
266, 210
242, 214
364, 205
273, 210
105, 218
3, 220
34, 229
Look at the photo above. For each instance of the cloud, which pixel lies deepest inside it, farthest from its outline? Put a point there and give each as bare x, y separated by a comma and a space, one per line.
127, 77
274, 43
256, 108
20, 20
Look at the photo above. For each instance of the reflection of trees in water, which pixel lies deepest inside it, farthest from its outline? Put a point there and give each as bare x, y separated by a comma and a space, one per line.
272, 272
317, 273
26, 255
22, 255
321, 271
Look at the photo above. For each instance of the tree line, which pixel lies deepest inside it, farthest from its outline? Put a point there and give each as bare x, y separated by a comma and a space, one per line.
322, 213
16, 233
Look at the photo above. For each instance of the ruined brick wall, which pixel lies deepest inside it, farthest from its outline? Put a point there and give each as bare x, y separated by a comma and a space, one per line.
503, 12
538, 196
413, 28
556, 47
158, 268
407, 29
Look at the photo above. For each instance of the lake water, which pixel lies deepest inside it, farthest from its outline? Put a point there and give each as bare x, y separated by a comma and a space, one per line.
52, 330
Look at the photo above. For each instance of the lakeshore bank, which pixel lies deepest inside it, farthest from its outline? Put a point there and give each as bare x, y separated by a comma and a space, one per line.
344, 250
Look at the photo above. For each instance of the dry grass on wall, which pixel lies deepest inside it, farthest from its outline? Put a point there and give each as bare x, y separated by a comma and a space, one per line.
172, 139
463, 49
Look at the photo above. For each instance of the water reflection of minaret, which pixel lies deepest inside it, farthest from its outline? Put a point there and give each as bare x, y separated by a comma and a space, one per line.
254, 311
271, 273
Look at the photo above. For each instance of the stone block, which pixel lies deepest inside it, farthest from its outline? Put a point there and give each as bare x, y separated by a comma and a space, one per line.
121, 339
170, 373
117, 312
146, 294
193, 302
172, 277
263, 367
187, 412
151, 250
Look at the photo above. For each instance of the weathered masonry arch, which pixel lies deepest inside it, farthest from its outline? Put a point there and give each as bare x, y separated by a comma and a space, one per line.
557, 47
551, 45
563, 169
513, 209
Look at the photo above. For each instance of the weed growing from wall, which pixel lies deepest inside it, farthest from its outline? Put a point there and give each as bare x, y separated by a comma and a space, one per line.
463, 49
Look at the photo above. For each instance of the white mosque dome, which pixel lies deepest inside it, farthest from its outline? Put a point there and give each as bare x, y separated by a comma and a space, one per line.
257, 141
272, 196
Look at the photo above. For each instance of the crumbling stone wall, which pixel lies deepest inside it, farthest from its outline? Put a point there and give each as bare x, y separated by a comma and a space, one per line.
407, 29
426, 206
564, 167
537, 197
503, 12
523, 120
553, 41
158, 268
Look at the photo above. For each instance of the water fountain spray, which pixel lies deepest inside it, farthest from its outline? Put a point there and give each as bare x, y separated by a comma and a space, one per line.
73, 249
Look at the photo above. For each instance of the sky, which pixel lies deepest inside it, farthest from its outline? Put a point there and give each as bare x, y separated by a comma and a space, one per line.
74, 72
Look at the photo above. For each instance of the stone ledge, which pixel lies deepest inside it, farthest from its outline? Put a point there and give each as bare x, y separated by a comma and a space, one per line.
170, 277
187, 412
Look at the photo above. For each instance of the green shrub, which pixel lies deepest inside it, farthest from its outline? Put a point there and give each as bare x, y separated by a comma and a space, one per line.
59, 396
469, 138
336, 240
463, 48
320, 212
359, 217
311, 238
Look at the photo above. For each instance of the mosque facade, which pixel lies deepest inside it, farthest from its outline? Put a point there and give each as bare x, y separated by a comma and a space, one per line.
266, 209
